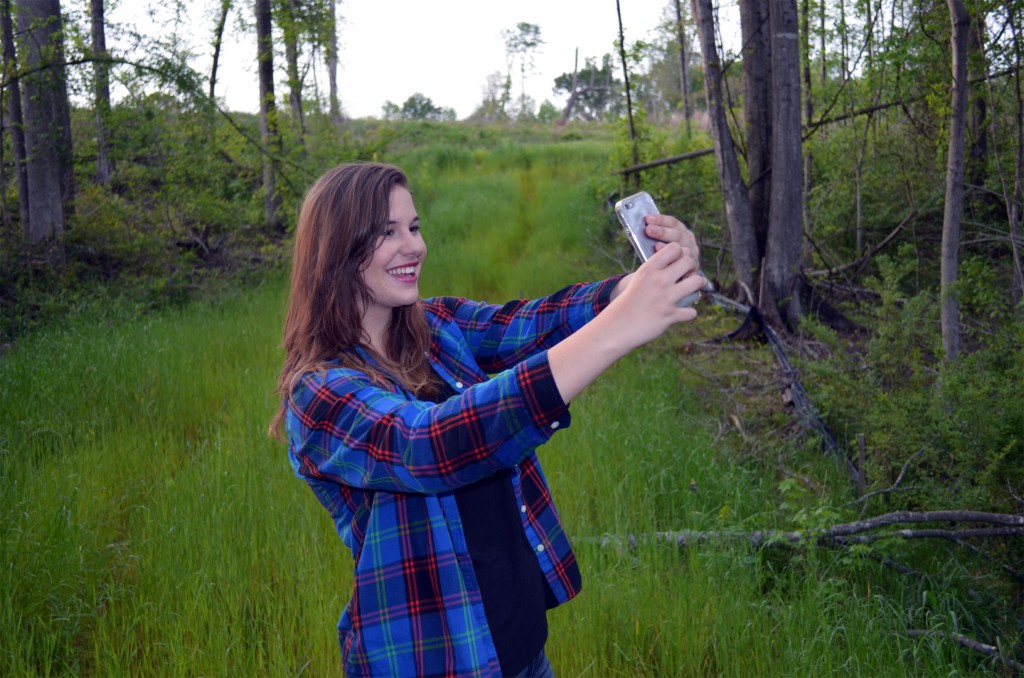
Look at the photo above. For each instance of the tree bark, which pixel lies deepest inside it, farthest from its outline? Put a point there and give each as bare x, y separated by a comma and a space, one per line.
785, 228
757, 114
101, 71
218, 38
17, 121
268, 114
952, 214
332, 62
737, 203
47, 125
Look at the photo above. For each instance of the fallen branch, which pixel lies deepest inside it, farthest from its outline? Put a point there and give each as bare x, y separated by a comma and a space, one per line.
844, 534
970, 643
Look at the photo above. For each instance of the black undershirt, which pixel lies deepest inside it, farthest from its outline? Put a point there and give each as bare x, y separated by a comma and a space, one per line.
511, 582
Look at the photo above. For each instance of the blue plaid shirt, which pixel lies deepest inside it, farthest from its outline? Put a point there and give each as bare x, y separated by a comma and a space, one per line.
384, 464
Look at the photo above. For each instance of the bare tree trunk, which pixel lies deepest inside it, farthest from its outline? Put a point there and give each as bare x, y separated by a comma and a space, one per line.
757, 113
14, 110
47, 125
745, 254
268, 114
785, 229
949, 306
684, 68
218, 38
101, 71
332, 62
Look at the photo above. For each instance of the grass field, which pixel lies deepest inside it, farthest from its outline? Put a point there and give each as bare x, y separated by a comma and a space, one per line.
149, 527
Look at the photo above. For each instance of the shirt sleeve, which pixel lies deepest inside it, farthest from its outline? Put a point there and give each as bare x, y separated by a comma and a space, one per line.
343, 428
501, 336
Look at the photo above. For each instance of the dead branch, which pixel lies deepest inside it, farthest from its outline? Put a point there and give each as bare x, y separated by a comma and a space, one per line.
861, 262
895, 486
990, 650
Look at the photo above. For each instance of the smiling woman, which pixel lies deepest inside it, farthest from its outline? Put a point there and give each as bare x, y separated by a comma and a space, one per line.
416, 423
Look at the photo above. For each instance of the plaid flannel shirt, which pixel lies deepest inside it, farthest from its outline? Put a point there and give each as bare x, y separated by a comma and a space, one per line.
384, 464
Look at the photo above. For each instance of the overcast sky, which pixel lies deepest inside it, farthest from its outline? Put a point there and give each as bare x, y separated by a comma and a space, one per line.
391, 49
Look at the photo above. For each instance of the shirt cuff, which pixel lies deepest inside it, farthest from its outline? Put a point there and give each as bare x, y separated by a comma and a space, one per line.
603, 297
541, 393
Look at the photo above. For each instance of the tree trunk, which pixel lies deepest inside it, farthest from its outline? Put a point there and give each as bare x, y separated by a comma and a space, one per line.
218, 38
808, 115
290, 28
977, 64
950, 308
101, 71
737, 203
47, 125
332, 62
1015, 202
268, 115
17, 122
757, 113
684, 67
785, 229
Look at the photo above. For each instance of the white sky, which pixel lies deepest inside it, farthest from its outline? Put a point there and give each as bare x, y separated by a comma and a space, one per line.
391, 49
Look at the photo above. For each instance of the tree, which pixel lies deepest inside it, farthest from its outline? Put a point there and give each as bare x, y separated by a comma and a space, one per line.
15, 112
593, 91
101, 71
952, 213
417, 107
684, 67
290, 23
48, 149
331, 57
218, 37
521, 44
737, 203
268, 114
497, 94
785, 225
757, 113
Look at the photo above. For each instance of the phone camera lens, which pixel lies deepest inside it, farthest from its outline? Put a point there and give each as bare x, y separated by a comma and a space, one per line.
629, 205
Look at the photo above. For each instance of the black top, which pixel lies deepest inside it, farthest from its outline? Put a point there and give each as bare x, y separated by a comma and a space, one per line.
511, 582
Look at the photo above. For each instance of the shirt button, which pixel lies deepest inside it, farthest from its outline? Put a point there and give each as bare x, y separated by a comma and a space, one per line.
540, 548
522, 509
555, 424
458, 384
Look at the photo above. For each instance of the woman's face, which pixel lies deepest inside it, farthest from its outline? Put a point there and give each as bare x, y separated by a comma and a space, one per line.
394, 270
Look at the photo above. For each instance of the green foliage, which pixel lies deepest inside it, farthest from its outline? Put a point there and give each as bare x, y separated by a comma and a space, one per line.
417, 107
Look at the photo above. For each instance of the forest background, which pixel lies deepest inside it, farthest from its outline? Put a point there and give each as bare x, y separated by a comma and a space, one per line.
835, 487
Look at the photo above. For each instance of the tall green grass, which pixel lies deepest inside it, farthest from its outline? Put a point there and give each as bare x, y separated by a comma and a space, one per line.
149, 527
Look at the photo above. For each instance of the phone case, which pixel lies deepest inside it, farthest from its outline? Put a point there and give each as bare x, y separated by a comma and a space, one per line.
631, 212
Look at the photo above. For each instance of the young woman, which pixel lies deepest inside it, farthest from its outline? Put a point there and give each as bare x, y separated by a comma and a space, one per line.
415, 422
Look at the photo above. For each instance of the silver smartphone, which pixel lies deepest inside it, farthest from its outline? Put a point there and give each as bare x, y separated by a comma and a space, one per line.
631, 212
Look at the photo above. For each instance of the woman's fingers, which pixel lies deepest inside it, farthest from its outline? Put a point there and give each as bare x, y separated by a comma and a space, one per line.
667, 229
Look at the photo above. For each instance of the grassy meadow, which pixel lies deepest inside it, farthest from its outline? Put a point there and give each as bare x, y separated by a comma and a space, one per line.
148, 525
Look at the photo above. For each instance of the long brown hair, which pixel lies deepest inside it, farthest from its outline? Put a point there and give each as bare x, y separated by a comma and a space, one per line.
343, 216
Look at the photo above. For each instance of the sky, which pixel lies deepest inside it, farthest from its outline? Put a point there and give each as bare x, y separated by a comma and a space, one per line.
392, 49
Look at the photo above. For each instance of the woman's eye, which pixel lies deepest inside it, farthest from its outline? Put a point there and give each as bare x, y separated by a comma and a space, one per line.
389, 232
415, 229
